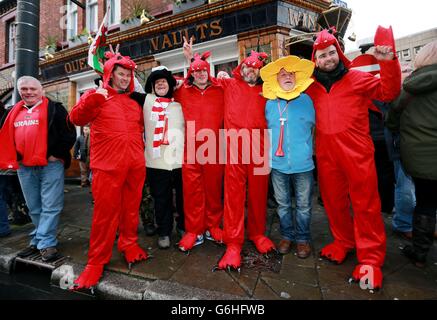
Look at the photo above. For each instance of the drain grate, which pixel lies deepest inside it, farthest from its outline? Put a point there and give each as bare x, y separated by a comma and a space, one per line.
253, 260
36, 260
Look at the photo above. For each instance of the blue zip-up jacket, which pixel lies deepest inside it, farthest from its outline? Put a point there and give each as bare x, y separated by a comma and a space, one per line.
298, 134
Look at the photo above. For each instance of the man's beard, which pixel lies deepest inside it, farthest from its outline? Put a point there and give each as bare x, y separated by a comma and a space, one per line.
250, 80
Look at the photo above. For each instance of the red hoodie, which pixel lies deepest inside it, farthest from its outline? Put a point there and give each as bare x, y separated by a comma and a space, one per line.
117, 123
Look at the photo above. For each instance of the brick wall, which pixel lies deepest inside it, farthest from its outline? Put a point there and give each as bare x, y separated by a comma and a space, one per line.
155, 7
50, 18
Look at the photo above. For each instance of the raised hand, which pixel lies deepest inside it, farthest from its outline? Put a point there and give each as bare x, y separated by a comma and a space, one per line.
112, 49
383, 53
188, 49
223, 75
101, 90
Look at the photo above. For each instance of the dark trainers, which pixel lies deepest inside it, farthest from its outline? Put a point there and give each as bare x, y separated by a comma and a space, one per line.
150, 229
27, 252
49, 254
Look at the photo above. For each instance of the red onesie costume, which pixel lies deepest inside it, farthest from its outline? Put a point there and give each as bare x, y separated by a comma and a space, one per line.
202, 173
244, 112
345, 160
118, 166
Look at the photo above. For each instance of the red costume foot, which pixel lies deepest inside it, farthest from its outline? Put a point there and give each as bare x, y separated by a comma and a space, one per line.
215, 234
334, 252
187, 242
263, 244
231, 258
134, 254
370, 277
89, 277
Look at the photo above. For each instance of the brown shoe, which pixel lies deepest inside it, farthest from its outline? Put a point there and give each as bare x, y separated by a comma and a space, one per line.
303, 250
284, 246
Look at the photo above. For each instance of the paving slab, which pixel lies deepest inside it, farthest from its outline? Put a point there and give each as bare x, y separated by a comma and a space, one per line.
291, 290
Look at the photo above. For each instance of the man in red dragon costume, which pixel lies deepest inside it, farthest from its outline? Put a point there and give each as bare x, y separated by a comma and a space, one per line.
117, 163
202, 103
345, 152
245, 117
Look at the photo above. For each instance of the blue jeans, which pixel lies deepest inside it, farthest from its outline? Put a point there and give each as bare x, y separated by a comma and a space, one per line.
43, 189
295, 224
4, 224
405, 200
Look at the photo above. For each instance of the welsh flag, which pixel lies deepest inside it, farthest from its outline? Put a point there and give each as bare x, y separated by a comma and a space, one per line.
96, 52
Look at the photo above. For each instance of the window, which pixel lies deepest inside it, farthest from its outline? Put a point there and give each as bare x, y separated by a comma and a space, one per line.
417, 49
92, 15
178, 74
406, 54
227, 67
11, 40
114, 18
71, 19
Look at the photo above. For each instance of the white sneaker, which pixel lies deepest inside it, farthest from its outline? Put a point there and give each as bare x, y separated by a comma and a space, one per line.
199, 240
208, 236
164, 242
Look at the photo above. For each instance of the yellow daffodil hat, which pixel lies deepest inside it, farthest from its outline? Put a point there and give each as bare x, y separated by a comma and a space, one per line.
303, 70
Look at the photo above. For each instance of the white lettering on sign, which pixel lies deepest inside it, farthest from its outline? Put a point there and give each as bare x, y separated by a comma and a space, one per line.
303, 18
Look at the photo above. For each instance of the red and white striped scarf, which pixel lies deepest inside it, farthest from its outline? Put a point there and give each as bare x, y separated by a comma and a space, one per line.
159, 114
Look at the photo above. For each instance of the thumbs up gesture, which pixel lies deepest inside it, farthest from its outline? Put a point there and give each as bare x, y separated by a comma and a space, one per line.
101, 90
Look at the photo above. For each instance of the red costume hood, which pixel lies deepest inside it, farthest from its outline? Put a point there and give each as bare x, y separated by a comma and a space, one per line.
118, 59
199, 63
325, 39
255, 60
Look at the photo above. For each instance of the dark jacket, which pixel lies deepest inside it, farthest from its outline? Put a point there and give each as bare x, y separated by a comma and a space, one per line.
81, 149
61, 133
416, 109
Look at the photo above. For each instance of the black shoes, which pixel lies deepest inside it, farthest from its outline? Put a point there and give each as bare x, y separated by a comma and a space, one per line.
150, 229
423, 236
27, 252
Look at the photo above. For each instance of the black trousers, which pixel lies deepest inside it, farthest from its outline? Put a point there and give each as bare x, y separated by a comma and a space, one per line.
386, 177
426, 197
162, 183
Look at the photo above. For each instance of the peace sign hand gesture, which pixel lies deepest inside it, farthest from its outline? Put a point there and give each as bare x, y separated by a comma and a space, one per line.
188, 49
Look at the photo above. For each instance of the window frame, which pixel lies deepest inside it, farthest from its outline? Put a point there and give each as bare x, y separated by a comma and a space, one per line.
11, 40
406, 54
72, 26
116, 10
90, 4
